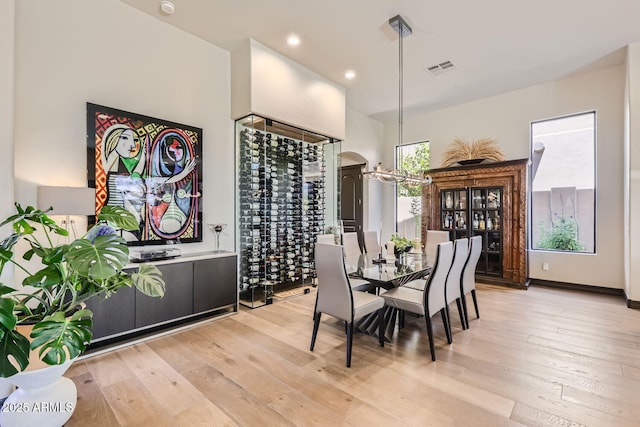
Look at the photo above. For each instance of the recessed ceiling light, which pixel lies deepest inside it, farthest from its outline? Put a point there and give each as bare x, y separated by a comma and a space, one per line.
293, 40
167, 7
350, 74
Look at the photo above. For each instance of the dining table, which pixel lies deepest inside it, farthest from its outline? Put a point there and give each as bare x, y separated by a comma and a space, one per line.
385, 274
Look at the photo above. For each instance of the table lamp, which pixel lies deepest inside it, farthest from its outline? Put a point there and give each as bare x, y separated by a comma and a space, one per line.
67, 201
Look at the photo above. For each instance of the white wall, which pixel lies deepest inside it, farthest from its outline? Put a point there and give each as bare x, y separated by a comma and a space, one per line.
69, 52
284, 90
507, 118
7, 27
364, 137
632, 174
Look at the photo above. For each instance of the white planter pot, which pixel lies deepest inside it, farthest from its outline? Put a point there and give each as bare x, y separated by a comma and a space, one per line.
44, 398
6, 388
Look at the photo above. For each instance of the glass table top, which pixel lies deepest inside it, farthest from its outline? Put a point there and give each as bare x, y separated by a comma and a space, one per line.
392, 272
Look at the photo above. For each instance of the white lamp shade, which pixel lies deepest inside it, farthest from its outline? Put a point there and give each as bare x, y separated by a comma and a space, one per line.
67, 200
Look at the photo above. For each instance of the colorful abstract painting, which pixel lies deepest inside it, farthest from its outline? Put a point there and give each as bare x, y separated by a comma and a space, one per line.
152, 168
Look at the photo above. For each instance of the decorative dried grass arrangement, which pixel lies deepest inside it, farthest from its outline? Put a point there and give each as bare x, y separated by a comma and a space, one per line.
478, 149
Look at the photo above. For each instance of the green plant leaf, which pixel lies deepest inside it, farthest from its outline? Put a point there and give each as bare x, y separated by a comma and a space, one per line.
4, 289
16, 346
149, 280
59, 338
21, 221
8, 318
10, 242
100, 260
46, 277
118, 217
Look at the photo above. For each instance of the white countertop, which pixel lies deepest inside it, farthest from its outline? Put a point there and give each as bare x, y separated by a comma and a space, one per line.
185, 258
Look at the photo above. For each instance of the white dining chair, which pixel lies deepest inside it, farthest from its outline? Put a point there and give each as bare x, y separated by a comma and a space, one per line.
432, 239
336, 298
371, 243
326, 239
432, 299
468, 283
452, 287
351, 245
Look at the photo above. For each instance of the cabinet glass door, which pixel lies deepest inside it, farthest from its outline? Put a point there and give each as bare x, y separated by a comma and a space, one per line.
455, 212
476, 211
486, 221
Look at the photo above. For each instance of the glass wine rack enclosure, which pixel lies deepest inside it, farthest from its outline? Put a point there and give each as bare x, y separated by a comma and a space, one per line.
287, 194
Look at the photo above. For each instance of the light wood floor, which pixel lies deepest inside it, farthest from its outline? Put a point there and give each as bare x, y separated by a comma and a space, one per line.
541, 357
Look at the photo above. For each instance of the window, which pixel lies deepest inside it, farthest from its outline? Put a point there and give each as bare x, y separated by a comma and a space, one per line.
414, 160
563, 183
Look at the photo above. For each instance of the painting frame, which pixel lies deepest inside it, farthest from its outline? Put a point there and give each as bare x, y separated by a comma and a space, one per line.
151, 167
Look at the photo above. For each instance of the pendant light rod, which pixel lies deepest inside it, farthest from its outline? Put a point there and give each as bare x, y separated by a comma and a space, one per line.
403, 29
392, 175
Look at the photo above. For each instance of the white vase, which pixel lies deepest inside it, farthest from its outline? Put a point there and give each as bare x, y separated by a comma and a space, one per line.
44, 398
6, 388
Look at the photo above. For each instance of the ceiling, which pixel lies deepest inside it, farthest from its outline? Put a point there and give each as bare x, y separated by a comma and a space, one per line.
496, 46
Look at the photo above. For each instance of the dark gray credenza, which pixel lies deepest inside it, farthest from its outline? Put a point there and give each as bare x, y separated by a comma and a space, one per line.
195, 284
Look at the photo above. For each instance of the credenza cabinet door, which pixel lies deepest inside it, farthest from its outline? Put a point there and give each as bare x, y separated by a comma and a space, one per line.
177, 300
113, 315
214, 283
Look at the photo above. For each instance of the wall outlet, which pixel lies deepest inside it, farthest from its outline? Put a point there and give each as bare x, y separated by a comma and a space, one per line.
545, 266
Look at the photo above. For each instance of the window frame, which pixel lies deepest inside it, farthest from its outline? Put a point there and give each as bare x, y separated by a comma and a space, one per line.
395, 163
530, 219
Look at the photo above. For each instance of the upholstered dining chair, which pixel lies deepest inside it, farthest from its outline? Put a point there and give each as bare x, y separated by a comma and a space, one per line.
326, 239
351, 245
431, 241
452, 287
371, 242
336, 298
468, 283
432, 299
351, 263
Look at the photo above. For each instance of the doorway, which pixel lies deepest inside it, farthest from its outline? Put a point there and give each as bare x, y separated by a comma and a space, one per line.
351, 200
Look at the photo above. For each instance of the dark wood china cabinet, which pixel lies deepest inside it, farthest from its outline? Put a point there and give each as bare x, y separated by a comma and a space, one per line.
487, 199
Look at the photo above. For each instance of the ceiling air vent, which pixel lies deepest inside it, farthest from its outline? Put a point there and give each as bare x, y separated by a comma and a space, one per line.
441, 68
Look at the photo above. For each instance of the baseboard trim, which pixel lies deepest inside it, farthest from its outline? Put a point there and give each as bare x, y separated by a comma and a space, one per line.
578, 287
490, 280
588, 288
631, 303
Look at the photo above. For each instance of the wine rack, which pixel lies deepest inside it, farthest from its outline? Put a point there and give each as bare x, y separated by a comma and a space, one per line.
281, 197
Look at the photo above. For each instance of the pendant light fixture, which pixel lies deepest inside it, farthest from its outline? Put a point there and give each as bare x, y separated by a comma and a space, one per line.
394, 175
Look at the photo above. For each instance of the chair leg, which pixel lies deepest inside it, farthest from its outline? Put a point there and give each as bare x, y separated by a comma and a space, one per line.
381, 326
315, 306
447, 326
464, 308
400, 319
475, 303
349, 342
430, 334
316, 324
461, 313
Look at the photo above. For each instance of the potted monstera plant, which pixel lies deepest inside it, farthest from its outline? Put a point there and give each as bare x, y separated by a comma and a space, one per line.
45, 316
